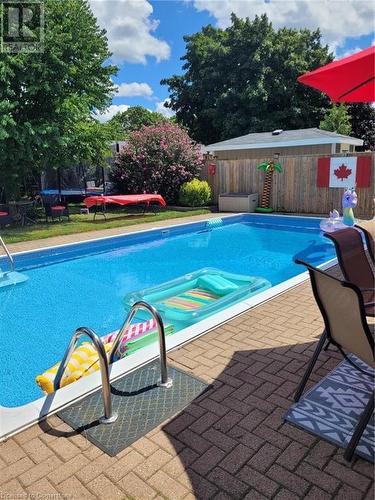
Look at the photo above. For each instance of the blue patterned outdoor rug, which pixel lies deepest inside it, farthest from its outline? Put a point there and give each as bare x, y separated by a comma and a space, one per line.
331, 409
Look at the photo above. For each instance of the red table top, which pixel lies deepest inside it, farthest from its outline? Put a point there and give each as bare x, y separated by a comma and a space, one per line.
124, 199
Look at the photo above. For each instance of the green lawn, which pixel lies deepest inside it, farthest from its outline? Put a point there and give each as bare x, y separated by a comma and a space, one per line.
81, 223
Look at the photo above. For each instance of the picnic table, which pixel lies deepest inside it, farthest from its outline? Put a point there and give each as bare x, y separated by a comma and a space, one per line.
123, 199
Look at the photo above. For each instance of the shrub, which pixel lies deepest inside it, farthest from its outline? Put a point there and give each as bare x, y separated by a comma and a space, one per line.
158, 159
195, 193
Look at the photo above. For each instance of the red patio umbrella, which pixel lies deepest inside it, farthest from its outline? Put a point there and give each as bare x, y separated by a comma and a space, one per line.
351, 79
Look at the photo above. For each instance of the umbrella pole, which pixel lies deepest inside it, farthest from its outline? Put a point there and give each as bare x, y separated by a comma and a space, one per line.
103, 180
83, 170
59, 182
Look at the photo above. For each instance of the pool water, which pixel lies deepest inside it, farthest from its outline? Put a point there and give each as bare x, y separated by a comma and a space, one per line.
84, 285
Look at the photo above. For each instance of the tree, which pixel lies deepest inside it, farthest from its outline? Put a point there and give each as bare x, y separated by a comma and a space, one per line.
92, 143
269, 168
158, 158
337, 119
362, 118
46, 98
244, 79
134, 119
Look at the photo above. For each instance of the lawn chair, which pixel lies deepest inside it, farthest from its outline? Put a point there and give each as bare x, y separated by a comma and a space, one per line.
354, 264
5, 217
368, 229
54, 208
342, 307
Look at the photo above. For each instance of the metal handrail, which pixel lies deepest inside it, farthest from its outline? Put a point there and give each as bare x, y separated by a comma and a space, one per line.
8, 254
164, 381
109, 417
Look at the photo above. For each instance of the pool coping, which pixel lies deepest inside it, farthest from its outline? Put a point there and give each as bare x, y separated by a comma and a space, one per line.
16, 419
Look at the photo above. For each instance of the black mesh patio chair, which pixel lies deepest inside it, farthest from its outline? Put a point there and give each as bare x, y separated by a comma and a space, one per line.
354, 264
5, 217
368, 229
342, 307
54, 208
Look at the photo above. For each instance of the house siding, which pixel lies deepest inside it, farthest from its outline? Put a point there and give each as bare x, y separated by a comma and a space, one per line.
242, 154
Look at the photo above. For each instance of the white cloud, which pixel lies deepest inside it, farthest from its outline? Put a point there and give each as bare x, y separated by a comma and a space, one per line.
111, 111
134, 89
130, 28
349, 52
160, 108
337, 19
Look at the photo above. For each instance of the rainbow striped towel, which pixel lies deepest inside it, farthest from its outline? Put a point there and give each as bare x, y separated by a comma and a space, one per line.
191, 299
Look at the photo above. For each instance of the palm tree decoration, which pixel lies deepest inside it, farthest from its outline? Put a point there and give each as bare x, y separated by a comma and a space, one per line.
269, 168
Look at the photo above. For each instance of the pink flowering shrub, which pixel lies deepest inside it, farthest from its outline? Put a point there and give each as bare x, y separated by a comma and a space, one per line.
158, 159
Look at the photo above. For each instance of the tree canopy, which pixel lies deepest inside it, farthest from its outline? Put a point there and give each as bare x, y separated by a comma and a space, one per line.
337, 119
92, 143
243, 79
134, 119
355, 119
362, 117
47, 98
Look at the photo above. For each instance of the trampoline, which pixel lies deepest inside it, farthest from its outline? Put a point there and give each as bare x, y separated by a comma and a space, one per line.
72, 192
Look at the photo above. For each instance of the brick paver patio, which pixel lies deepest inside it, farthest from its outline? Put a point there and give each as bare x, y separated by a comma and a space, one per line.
231, 443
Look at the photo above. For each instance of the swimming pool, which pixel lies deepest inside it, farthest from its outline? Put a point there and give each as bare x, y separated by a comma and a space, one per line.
84, 284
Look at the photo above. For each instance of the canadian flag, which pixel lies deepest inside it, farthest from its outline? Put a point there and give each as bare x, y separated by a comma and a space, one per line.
345, 171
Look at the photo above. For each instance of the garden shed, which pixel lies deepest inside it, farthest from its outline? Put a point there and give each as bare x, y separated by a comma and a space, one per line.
232, 167
284, 142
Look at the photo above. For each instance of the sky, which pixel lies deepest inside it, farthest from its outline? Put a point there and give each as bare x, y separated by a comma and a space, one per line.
146, 36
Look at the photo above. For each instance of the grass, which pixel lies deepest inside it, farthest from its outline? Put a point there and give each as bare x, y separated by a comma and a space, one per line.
81, 223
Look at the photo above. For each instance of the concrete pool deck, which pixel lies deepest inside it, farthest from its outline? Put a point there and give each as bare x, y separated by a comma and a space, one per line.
103, 233
229, 444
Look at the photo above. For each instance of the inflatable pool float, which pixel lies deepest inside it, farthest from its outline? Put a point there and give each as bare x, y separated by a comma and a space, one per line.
85, 359
195, 296
349, 201
137, 336
333, 223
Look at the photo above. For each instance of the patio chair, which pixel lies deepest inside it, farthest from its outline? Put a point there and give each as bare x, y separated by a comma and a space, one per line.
354, 264
368, 229
54, 208
5, 217
342, 307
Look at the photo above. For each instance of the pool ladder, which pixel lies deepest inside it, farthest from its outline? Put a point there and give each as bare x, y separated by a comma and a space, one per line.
109, 416
8, 254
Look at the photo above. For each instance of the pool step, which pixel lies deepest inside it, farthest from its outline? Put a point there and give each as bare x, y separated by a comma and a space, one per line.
212, 223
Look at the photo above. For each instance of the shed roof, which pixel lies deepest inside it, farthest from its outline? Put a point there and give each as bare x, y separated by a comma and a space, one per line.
285, 138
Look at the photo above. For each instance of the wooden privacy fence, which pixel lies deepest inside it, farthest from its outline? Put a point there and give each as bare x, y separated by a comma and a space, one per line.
294, 190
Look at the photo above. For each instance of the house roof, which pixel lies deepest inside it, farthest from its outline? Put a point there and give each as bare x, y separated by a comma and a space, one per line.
285, 138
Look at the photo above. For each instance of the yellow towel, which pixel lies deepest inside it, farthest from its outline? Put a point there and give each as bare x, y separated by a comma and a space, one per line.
83, 362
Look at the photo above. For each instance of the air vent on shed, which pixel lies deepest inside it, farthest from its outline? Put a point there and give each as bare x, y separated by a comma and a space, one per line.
277, 131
